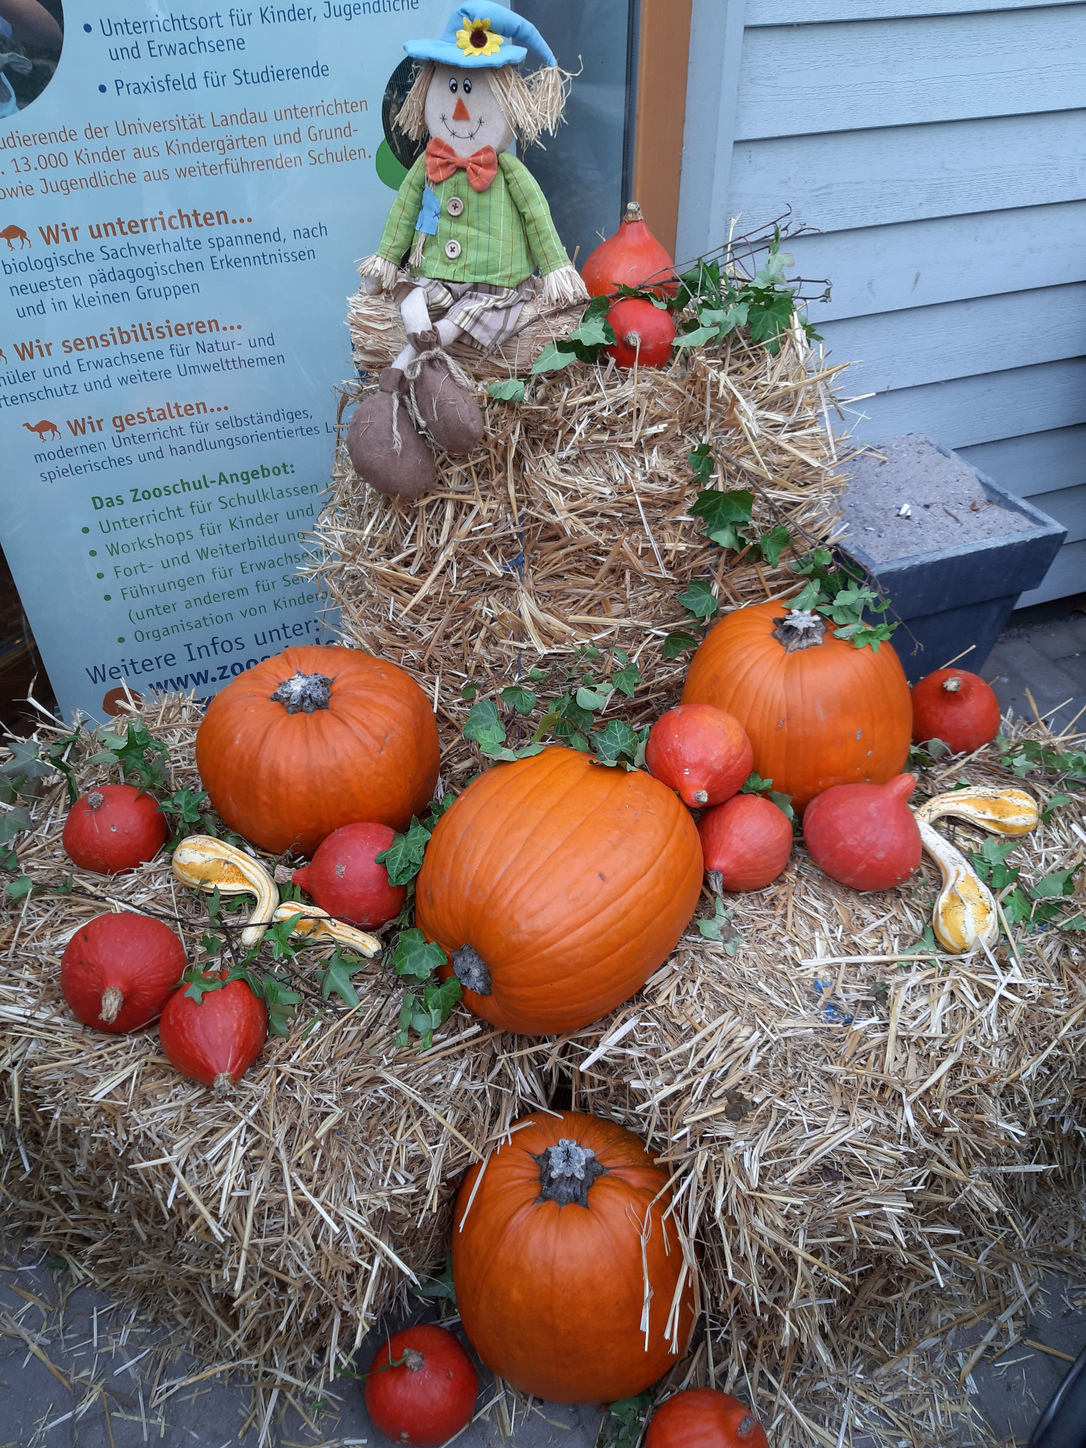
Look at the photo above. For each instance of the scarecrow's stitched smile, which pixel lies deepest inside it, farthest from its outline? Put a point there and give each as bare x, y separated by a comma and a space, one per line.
456, 134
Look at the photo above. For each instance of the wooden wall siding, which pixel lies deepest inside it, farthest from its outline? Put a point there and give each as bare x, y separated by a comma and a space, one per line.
938, 147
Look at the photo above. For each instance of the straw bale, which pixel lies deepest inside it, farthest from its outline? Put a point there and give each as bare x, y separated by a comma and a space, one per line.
569, 524
871, 1150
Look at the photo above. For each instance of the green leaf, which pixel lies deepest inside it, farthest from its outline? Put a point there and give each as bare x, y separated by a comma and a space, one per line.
1076, 922
1056, 802
468, 691
187, 804
484, 726
592, 699
677, 643
697, 337
403, 858
697, 598
772, 543
425, 1015
807, 598
1054, 885
336, 976
595, 331
1016, 907
13, 822
416, 956
615, 741
552, 359
626, 680
569, 711
140, 756
720, 928
522, 700
723, 511
20, 887
280, 1000
926, 945
509, 389
701, 462
989, 862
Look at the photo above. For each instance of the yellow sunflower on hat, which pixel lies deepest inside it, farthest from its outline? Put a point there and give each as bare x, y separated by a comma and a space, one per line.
478, 40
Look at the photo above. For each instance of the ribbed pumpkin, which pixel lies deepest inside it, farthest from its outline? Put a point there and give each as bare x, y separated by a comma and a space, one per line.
817, 711
548, 1268
313, 739
704, 1418
631, 258
558, 886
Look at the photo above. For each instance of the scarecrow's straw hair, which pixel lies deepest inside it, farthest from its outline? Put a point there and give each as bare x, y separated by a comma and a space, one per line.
531, 106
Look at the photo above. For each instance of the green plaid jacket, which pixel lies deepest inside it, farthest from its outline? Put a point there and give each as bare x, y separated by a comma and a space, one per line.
505, 232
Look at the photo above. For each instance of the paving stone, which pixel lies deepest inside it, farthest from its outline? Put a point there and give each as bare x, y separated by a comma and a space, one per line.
1057, 640
1015, 665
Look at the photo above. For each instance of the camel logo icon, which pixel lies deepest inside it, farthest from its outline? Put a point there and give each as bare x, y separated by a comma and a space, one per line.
15, 233
44, 429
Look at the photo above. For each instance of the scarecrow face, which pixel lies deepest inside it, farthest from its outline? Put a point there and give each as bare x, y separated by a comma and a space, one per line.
464, 110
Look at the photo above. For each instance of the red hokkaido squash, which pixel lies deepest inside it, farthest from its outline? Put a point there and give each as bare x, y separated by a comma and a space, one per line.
216, 1040
631, 258
114, 827
701, 752
643, 333
557, 887
746, 841
957, 707
865, 835
313, 739
704, 1418
547, 1262
817, 711
421, 1387
344, 878
119, 970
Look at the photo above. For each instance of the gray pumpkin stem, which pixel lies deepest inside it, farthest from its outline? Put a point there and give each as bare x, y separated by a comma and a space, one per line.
471, 970
800, 629
304, 693
566, 1172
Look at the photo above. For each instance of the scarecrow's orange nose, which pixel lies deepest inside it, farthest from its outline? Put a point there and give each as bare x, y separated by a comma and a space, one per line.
461, 113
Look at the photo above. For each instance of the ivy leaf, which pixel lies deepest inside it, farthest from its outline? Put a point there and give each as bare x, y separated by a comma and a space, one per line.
863, 634
425, 1015
281, 1003
772, 543
677, 643
808, 597
139, 755
509, 389
13, 822
279, 935
723, 513
19, 888
696, 337
698, 599
552, 359
615, 741
755, 784
627, 679
522, 700
592, 699
1056, 802
720, 928
1076, 922
595, 330
1016, 907
701, 462
485, 727
415, 955
336, 977
989, 862
468, 691
440, 1286
569, 711
926, 945
1054, 885
630, 1414
187, 804
403, 858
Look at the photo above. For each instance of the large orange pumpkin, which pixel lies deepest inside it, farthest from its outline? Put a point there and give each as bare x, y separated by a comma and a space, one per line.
314, 739
558, 886
817, 711
569, 1282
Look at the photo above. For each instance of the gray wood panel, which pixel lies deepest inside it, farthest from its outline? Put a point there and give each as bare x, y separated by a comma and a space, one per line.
889, 268
957, 339
978, 409
1068, 506
806, 12
906, 72
1034, 465
1066, 576
850, 179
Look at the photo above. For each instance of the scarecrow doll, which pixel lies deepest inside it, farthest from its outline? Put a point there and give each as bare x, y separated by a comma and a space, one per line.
467, 232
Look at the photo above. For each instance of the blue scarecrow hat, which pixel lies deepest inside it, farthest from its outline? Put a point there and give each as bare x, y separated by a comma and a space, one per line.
480, 34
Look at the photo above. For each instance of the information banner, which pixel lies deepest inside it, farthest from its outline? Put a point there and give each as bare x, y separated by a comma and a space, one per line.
181, 210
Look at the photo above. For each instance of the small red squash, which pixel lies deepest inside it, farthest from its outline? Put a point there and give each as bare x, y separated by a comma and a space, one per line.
314, 739
553, 1238
704, 1418
817, 711
421, 1387
557, 887
114, 827
631, 258
643, 333
344, 878
746, 842
119, 970
701, 752
217, 1040
957, 707
865, 835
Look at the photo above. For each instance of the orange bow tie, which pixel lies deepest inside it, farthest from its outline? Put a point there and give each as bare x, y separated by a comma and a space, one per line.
442, 161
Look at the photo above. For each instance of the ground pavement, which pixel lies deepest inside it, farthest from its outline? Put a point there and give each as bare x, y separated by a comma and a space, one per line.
59, 1340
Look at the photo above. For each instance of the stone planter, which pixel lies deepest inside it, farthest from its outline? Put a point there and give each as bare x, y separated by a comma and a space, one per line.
950, 547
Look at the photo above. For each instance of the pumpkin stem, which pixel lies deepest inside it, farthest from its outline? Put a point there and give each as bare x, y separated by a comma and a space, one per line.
952, 685
746, 1427
566, 1172
701, 796
633, 213
715, 879
800, 629
413, 1360
112, 1001
304, 693
471, 970
223, 1084
96, 800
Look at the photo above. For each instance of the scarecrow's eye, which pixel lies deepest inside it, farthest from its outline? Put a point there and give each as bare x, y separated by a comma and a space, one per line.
467, 87
452, 86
